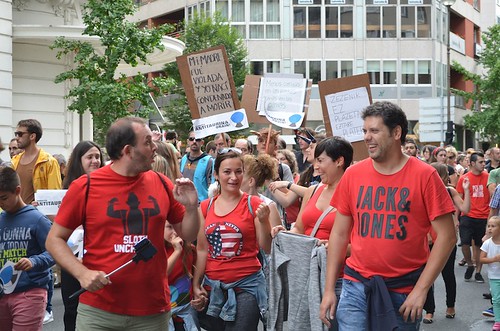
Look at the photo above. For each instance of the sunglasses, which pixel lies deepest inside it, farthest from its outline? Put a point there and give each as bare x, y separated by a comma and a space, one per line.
227, 150
193, 139
20, 133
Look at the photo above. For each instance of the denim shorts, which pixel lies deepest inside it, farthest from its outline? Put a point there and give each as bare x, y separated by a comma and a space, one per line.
352, 310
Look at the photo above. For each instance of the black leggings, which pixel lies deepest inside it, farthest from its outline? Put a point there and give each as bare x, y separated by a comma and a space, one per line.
450, 284
247, 316
69, 285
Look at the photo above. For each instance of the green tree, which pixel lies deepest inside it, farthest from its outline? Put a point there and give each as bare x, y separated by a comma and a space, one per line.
485, 120
203, 32
99, 90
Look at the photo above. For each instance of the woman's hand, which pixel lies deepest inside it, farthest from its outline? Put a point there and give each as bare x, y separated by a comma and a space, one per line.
277, 185
262, 213
200, 299
276, 229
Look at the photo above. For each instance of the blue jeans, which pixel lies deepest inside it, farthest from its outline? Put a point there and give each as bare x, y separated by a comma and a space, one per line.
352, 310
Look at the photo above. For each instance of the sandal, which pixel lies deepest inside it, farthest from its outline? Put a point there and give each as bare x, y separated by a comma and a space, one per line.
450, 315
428, 318
462, 262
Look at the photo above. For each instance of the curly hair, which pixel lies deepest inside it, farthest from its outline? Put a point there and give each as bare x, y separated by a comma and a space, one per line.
260, 168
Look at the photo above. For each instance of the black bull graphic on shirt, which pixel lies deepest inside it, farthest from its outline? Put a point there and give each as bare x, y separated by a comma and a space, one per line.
134, 219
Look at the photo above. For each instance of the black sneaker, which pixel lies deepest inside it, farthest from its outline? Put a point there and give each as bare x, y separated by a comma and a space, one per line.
468, 273
479, 278
487, 296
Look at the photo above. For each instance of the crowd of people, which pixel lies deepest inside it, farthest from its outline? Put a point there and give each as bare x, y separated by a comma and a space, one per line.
237, 230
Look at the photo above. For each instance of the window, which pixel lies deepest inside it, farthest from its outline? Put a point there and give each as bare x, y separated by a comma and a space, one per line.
238, 11
332, 70
310, 69
315, 71
424, 72
373, 69
339, 21
264, 19
389, 72
382, 72
222, 7
408, 72
257, 67
345, 68
299, 67
307, 20
381, 20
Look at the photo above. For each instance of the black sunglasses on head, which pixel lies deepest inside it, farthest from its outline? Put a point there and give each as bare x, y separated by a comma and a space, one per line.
193, 139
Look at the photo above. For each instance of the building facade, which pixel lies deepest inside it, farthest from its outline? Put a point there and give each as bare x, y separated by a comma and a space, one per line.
28, 68
401, 44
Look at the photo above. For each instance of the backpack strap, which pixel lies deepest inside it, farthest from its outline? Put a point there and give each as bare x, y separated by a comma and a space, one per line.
87, 189
320, 219
167, 189
250, 205
248, 202
280, 171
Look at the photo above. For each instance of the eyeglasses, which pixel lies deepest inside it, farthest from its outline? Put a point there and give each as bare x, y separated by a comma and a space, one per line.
227, 150
20, 133
307, 140
193, 139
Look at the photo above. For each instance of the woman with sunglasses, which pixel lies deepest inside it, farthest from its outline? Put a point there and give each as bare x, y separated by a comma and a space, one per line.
440, 155
228, 273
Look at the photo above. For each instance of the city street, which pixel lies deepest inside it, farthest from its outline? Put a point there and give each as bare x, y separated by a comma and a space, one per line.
470, 304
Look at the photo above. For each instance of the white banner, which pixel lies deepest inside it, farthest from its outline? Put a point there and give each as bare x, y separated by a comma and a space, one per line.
225, 122
281, 100
49, 201
344, 110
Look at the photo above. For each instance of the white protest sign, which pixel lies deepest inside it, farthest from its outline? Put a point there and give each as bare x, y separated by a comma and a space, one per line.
9, 275
49, 200
281, 100
225, 122
344, 110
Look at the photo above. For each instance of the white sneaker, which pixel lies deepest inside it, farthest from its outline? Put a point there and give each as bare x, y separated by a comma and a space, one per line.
49, 317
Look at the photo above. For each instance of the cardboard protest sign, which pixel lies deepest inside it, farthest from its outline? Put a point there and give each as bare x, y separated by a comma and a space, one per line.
259, 92
211, 93
342, 101
49, 201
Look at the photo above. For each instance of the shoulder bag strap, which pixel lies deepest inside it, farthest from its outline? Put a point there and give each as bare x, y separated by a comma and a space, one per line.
320, 219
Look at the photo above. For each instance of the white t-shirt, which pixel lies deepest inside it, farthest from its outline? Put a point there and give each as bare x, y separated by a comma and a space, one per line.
492, 250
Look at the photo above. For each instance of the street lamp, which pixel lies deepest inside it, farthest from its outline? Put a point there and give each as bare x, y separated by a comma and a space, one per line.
449, 122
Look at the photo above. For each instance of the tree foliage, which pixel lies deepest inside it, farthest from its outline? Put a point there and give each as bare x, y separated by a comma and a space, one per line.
202, 32
485, 120
97, 88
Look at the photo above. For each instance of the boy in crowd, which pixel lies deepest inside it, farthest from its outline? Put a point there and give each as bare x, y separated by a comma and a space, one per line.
23, 231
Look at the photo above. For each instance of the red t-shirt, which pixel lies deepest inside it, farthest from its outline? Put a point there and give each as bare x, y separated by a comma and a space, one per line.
391, 216
120, 211
179, 281
479, 194
311, 214
232, 241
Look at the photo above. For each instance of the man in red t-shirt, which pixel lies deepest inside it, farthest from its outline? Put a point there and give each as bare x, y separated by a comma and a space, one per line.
473, 224
386, 205
119, 205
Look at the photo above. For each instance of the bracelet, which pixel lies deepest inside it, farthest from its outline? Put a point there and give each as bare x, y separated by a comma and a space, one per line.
289, 185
